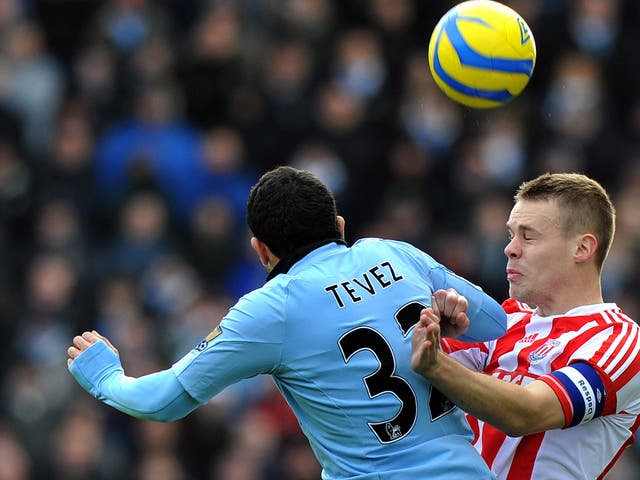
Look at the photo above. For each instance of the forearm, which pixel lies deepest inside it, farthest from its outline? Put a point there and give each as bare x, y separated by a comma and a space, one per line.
158, 396
514, 409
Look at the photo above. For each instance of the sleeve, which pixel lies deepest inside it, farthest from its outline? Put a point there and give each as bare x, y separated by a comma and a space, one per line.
158, 396
247, 343
581, 392
488, 320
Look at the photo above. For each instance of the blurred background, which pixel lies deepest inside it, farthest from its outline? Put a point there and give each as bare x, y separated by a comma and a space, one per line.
132, 130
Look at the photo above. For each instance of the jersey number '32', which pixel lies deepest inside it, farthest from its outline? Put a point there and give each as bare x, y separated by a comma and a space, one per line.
384, 379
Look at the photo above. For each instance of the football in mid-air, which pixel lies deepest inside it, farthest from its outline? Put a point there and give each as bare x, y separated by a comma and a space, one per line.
482, 54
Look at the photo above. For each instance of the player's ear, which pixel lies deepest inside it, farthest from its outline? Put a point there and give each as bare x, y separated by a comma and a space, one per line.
586, 248
341, 225
262, 250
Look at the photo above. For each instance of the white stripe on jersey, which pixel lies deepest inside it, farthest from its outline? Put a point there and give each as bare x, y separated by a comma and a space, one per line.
589, 349
622, 359
613, 347
629, 356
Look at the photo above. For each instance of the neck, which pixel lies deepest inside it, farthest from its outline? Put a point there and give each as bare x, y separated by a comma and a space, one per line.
288, 260
566, 301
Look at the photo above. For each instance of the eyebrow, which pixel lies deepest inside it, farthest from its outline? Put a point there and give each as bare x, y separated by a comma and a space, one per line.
521, 228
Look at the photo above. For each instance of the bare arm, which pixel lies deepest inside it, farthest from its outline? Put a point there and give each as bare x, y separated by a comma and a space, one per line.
514, 409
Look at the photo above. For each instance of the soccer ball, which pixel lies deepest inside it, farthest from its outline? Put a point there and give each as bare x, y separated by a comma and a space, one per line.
482, 54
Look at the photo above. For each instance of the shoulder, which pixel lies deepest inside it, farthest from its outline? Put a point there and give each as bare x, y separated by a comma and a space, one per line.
267, 301
382, 242
397, 247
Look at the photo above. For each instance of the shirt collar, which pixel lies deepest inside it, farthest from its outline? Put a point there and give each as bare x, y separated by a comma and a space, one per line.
289, 260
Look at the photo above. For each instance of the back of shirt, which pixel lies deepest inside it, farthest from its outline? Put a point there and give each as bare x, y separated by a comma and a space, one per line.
335, 333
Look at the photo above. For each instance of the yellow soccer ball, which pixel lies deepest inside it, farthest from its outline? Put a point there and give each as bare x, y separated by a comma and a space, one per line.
482, 54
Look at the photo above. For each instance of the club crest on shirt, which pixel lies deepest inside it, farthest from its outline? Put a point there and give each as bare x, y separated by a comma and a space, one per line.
543, 350
205, 341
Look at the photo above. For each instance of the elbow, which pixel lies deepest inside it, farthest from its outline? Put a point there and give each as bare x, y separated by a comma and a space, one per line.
165, 418
499, 330
494, 324
516, 430
161, 416
500, 323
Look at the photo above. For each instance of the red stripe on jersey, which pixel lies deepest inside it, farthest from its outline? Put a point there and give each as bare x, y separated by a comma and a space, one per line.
571, 326
611, 356
475, 427
449, 345
619, 368
511, 305
492, 440
525, 457
524, 362
504, 344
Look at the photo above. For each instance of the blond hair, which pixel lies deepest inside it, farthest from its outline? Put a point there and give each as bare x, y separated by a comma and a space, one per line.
585, 206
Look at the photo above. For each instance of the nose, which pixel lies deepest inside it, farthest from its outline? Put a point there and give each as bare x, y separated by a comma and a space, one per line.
512, 250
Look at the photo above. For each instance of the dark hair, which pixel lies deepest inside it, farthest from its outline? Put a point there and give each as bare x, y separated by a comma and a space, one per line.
584, 204
289, 208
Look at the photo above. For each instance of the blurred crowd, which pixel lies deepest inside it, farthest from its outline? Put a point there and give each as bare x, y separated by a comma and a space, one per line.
132, 130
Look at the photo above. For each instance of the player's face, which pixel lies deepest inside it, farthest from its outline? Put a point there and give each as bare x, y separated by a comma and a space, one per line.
540, 255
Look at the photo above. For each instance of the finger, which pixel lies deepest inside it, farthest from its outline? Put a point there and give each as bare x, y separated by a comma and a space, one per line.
462, 323
431, 335
80, 343
450, 302
428, 316
460, 306
418, 336
72, 352
90, 337
433, 332
438, 301
105, 340
418, 361
434, 305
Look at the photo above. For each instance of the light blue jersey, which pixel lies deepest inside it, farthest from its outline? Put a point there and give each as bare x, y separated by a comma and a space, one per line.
334, 331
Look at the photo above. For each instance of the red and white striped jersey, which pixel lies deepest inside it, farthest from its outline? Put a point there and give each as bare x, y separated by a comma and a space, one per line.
594, 354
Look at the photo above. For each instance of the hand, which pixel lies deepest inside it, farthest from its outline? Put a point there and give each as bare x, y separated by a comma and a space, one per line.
83, 342
425, 342
451, 308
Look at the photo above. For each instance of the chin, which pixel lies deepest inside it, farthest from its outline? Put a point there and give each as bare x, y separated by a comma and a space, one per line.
519, 295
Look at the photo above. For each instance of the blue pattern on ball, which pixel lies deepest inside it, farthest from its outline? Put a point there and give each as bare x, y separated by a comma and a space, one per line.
470, 58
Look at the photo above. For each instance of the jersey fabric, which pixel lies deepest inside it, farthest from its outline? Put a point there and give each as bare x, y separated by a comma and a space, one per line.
590, 358
334, 331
